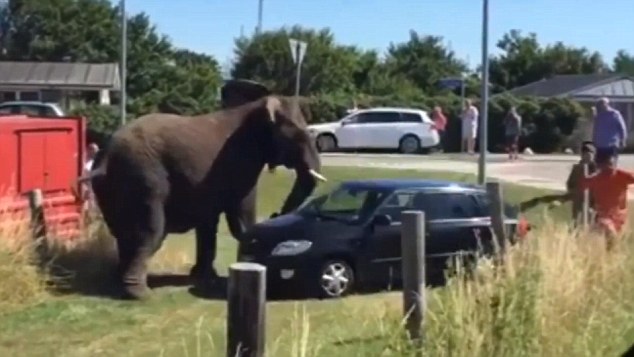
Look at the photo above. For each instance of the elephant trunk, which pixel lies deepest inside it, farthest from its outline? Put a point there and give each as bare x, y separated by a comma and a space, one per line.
303, 187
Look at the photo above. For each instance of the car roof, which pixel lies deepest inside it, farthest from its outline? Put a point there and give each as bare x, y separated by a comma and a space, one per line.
390, 109
26, 102
403, 184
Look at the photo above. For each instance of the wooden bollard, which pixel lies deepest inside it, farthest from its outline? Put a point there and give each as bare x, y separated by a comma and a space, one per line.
36, 205
413, 268
494, 190
246, 310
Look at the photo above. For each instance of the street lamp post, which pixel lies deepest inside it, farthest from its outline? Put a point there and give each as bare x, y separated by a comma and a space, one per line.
123, 64
260, 9
484, 103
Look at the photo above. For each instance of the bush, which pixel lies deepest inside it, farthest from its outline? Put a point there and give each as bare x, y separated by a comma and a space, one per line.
548, 124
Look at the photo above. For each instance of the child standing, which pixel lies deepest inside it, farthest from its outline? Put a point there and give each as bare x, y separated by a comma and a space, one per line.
608, 189
576, 174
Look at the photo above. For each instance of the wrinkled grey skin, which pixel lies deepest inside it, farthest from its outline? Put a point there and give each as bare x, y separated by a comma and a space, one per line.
165, 173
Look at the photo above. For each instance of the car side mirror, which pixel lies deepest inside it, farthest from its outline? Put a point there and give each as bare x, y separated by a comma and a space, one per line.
382, 220
344, 123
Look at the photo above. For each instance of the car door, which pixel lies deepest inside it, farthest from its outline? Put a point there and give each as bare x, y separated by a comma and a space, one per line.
383, 254
454, 224
347, 133
382, 130
371, 129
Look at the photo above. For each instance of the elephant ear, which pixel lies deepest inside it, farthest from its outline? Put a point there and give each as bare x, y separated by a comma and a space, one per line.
236, 92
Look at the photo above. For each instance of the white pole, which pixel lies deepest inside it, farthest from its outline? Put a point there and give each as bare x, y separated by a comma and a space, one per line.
123, 63
260, 10
484, 111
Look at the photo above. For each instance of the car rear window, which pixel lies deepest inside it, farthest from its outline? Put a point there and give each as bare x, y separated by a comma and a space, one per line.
446, 205
510, 211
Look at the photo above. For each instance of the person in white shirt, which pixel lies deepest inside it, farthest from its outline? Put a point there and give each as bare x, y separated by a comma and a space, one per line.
469, 126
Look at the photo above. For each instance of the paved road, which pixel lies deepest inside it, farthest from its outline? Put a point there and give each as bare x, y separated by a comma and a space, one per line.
544, 171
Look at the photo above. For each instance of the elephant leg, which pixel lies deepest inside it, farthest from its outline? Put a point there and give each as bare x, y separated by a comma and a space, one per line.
241, 217
137, 247
206, 250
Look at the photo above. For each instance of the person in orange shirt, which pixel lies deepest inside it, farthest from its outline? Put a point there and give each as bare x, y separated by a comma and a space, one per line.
608, 189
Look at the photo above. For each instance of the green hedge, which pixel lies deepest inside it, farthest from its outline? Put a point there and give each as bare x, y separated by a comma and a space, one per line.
548, 124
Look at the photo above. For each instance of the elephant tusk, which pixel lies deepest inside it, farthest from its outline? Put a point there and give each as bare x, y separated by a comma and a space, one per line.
317, 175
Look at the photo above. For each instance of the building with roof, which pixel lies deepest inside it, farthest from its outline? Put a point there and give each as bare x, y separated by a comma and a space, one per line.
586, 89
57, 82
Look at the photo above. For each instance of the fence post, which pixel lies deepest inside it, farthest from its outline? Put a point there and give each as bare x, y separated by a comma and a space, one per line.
494, 190
246, 310
36, 205
413, 268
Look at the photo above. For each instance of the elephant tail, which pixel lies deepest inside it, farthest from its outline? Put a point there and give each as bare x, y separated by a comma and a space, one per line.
75, 186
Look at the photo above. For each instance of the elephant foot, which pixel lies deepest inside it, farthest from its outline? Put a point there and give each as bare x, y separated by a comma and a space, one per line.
137, 292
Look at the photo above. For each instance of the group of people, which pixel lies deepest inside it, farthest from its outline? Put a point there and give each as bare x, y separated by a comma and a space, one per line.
469, 128
598, 173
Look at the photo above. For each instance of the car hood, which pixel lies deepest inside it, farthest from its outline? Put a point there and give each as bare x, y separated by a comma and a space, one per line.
293, 226
323, 126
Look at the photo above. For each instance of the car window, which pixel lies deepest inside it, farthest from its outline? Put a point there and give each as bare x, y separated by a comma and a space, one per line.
30, 110
6, 110
484, 208
395, 205
411, 118
378, 117
446, 205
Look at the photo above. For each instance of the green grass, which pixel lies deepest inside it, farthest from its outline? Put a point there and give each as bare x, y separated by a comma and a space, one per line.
176, 323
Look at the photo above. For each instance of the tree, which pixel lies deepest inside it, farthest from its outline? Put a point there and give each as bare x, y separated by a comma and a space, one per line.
267, 58
160, 77
424, 60
523, 61
373, 77
624, 63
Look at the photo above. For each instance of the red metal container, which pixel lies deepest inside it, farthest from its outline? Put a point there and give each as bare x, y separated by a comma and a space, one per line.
46, 154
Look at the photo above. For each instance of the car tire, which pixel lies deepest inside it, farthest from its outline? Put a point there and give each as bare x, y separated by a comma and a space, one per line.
409, 144
326, 142
336, 279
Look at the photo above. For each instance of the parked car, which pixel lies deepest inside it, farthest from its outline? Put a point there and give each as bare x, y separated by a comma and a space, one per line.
351, 236
33, 108
404, 129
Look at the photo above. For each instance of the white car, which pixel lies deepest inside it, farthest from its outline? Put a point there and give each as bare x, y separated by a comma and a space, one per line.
38, 109
405, 129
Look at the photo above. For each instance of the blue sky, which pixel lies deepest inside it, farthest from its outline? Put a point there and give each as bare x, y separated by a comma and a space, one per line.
210, 26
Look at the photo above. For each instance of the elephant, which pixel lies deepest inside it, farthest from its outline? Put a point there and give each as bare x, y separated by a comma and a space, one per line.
166, 173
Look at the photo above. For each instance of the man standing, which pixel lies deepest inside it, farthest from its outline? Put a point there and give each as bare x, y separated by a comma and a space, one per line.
512, 131
469, 126
609, 133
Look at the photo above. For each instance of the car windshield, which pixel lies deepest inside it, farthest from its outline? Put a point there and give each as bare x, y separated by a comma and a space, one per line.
345, 203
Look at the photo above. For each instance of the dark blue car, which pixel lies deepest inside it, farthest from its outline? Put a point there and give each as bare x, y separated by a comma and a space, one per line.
350, 237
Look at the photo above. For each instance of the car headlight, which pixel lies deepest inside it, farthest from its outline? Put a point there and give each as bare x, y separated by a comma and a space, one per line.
291, 247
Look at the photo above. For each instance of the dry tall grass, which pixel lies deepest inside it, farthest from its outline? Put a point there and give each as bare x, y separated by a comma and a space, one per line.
558, 293
32, 271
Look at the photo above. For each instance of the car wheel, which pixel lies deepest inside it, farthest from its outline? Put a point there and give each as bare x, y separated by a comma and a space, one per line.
336, 279
409, 144
326, 142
